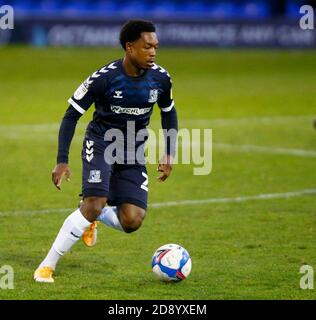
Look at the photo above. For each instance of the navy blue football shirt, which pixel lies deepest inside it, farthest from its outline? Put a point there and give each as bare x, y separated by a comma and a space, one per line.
119, 98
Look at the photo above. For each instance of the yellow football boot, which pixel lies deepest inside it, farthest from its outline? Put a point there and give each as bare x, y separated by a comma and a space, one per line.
44, 274
89, 237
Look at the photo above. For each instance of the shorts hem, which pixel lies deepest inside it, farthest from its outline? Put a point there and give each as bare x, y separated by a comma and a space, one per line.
95, 193
135, 202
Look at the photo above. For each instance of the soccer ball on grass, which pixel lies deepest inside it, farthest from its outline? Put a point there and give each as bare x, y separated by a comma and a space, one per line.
171, 262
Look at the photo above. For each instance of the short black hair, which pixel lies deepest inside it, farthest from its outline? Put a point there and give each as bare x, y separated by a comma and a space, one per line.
132, 29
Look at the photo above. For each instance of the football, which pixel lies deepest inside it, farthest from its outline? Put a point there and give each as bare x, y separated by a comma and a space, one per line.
171, 262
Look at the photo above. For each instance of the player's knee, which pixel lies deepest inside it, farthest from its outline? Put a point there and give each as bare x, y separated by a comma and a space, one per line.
131, 218
91, 207
132, 225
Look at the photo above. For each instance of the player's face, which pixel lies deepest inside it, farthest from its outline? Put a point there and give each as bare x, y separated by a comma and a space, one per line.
143, 51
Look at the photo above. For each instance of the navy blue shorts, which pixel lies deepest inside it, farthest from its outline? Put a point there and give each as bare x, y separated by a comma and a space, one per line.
120, 183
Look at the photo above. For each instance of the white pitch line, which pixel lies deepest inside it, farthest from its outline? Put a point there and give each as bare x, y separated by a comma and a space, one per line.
51, 127
249, 148
29, 212
265, 120
265, 196
262, 149
186, 145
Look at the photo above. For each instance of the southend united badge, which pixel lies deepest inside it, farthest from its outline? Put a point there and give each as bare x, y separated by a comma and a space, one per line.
153, 96
95, 176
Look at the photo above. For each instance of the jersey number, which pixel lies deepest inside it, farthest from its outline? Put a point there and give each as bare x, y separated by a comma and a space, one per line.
144, 186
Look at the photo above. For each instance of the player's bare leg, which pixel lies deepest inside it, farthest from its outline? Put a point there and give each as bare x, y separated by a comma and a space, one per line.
131, 217
127, 218
70, 232
91, 208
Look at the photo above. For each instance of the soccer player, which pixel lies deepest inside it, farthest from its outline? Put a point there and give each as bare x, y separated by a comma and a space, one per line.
124, 93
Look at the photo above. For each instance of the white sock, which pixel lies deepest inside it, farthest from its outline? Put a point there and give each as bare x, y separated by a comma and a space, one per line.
109, 217
70, 232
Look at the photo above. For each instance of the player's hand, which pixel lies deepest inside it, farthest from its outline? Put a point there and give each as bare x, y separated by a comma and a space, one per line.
165, 166
61, 170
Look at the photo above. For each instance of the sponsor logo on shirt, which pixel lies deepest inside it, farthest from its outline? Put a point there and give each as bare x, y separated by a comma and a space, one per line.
133, 111
118, 95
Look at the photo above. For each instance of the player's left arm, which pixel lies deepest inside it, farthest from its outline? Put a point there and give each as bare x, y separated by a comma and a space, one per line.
169, 123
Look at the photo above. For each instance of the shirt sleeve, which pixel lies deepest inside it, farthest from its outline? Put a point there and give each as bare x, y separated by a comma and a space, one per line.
169, 122
81, 100
87, 93
66, 133
165, 100
169, 119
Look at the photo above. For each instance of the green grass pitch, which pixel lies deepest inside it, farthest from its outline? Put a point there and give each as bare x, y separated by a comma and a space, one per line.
260, 105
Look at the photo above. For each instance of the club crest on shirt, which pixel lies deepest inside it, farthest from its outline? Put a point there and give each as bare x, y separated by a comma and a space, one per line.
95, 176
153, 95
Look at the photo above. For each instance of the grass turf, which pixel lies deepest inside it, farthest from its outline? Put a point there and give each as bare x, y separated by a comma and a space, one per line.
247, 250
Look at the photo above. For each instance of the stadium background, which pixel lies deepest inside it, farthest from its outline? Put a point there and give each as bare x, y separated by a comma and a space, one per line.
243, 68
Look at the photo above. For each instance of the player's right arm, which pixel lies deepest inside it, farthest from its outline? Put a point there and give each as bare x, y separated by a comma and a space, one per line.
80, 102
169, 122
66, 133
